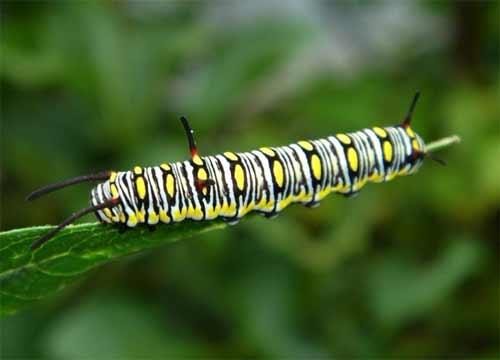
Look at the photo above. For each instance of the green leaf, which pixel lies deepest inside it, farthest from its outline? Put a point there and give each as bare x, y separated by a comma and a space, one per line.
27, 276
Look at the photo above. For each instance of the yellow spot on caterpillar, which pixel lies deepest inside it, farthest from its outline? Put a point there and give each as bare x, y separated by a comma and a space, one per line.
261, 203
153, 218
132, 220
376, 177
387, 151
337, 187
285, 202
278, 173
141, 215
404, 171
197, 214
316, 166
232, 209
211, 213
224, 209
192, 213
231, 156
122, 217
415, 144
268, 151
170, 185
246, 210
391, 176
228, 209
137, 170
239, 176
359, 184
176, 215
302, 195
108, 213
324, 193
344, 138
410, 132
184, 212
306, 145
114, 191
380, 132
197, 160
112, 176
270, 205
141, 187
164, 217
202, 174
352, 157
165, 167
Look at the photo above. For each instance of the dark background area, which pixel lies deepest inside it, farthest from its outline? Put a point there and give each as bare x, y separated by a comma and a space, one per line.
406, 269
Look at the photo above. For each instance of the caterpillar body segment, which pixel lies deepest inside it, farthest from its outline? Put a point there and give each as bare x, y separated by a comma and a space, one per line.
267, 180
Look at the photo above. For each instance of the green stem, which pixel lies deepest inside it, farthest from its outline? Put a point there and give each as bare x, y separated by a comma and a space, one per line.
442, 143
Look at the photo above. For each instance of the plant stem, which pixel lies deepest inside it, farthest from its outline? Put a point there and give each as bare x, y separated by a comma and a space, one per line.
442, 143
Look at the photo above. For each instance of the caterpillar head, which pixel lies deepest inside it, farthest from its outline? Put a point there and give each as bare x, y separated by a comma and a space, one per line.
416, 156
101, 193
415, 151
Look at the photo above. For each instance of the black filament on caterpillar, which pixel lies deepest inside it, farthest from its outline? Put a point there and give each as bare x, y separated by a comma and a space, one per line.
266, 180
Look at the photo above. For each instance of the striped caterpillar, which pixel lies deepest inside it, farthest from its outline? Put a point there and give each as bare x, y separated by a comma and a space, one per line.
267, 180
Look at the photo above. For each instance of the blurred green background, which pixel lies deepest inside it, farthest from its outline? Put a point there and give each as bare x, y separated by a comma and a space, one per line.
407, 269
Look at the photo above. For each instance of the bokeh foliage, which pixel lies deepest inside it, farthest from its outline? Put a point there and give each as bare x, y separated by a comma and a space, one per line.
408, 268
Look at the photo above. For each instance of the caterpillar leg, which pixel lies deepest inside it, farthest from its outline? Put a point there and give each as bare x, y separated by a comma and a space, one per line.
231, 221
312, 204
122, 228
270, 215
351, 194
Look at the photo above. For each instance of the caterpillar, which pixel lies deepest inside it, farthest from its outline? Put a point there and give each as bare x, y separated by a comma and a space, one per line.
267, 180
